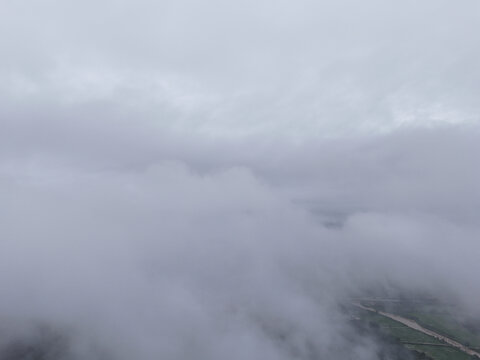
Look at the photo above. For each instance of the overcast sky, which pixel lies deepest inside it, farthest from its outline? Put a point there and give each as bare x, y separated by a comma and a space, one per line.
288, 68
209, 179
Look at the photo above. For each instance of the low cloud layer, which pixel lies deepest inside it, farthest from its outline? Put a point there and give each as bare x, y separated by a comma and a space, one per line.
238, 260
182, 180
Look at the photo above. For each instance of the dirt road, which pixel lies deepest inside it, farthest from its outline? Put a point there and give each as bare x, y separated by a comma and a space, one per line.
414, 325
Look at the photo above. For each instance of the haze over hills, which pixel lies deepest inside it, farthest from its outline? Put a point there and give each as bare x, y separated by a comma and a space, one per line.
241, 180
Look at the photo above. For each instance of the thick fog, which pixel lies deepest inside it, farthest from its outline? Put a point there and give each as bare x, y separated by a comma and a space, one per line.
212, 180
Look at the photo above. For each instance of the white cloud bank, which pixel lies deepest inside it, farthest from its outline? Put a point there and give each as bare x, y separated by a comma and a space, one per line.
253, 67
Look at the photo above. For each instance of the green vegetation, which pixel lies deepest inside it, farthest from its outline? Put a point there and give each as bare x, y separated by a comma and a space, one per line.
434, 316
404, 334
440, 353
446, 325
399, 331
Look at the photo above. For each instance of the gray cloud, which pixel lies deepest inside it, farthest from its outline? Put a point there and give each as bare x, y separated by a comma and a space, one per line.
172, 260
211, 180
